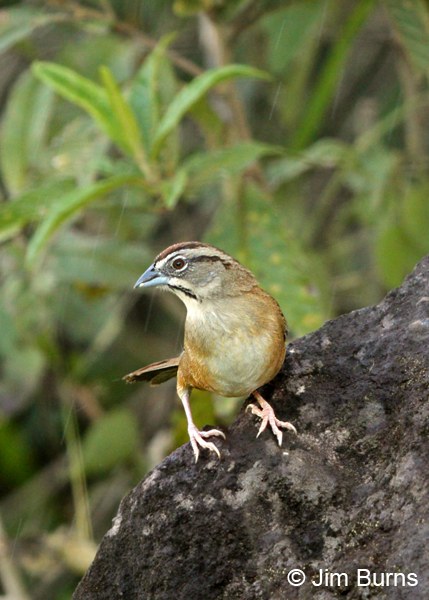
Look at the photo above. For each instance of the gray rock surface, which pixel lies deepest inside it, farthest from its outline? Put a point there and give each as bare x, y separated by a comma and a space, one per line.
350, 492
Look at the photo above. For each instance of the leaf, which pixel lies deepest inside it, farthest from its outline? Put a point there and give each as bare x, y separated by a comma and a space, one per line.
68, 207
371, 177
330, 74
31, 206
80, 151
168, 87
326, 153
263, 242
395, 254
289, 30
209, 122
24, 358
79, 258
111, 440
19, 351
86, 94
102, 47
173, 189
416, 216
88, 305
126, 120
188, 8
205, 167
411, 20
16, 454
17, 23
193, 92
145, 98
23, 131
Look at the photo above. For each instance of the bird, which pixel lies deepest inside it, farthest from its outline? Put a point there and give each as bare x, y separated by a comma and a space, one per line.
235, 334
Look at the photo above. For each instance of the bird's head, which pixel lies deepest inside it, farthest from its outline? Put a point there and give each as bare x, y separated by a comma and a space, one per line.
197, 272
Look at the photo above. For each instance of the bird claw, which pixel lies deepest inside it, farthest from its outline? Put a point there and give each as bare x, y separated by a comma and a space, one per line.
268, 417
197, 437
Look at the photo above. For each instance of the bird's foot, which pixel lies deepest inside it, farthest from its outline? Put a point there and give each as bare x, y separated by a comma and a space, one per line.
197, 437
266, 413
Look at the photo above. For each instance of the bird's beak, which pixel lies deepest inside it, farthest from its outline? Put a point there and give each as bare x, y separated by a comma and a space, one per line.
151, 277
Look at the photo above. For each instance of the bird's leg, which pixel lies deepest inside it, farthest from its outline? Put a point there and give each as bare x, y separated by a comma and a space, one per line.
266, 413
196, 436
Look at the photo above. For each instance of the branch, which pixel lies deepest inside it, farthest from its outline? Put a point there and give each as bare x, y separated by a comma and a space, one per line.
78, 12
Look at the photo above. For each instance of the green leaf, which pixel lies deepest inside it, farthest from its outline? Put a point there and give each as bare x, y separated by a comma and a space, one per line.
86, 94
193, 92
416, 216
371, 177
68, 207
145, 99
209, 122
327, 153
168, 87
173, 189
102, 47
205, 167
17, 23
188, 8
80, 151
29, 207
395, 254
16, 454
19, 351
111, 440
288, 31
24, 131
79, 258
256, 234
330, 74
127, 121
411, 20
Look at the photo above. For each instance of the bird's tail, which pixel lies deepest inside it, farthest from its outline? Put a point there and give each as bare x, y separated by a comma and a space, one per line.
155, 373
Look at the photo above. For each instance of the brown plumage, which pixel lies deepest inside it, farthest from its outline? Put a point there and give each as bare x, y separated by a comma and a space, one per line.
155, 373
234, 332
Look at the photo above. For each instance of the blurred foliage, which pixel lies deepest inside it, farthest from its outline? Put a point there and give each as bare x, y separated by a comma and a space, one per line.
291, 134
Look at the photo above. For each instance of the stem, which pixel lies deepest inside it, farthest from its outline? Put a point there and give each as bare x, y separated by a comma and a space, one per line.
413, 125
242, 220
318, 217
81, 13
76, 467
11, 583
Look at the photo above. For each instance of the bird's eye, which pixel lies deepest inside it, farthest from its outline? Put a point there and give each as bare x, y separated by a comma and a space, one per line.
178, 264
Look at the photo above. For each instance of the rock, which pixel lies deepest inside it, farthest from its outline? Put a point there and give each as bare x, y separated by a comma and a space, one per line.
349, 493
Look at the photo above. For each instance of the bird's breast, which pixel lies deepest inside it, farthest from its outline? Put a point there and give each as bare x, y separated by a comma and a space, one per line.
232, 351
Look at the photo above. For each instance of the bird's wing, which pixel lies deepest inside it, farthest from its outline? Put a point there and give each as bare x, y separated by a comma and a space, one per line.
156, 373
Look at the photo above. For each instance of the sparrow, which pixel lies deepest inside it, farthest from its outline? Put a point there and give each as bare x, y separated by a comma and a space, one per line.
235, 333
